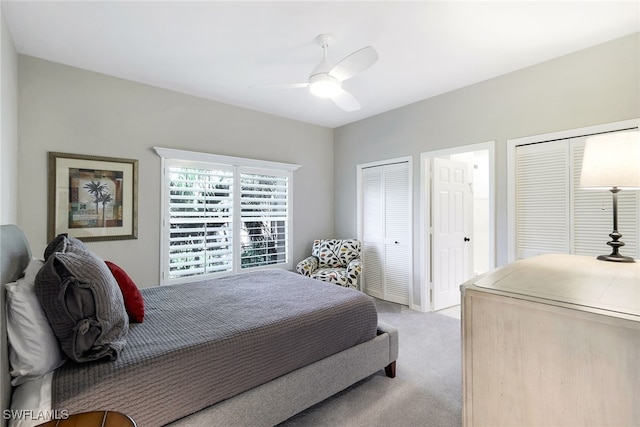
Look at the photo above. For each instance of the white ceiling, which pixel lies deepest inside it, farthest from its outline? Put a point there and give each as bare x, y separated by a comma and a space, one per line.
225, 51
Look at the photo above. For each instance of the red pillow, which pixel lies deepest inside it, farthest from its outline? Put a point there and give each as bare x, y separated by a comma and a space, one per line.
133, 301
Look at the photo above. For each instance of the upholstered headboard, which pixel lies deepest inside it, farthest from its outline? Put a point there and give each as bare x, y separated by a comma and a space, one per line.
15, 255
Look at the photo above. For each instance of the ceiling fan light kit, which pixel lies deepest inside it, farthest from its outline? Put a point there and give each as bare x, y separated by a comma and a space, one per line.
324, 86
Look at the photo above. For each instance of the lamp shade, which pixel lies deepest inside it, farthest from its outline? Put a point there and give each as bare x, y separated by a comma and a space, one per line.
611, 160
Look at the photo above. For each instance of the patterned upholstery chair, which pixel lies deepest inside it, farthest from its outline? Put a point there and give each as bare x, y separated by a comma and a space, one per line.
334, 261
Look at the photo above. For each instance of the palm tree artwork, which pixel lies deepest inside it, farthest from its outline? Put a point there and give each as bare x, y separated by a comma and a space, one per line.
106, 198
101, 195
95, 198
96, 189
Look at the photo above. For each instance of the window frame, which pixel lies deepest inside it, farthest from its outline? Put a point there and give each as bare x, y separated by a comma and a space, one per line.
238, 166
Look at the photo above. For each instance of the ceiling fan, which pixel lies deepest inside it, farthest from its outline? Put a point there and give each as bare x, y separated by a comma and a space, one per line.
325, 80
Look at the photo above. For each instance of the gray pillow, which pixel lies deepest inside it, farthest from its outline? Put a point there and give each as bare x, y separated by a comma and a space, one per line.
82, 301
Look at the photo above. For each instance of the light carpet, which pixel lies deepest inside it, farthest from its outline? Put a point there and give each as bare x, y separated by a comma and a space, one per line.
427, 390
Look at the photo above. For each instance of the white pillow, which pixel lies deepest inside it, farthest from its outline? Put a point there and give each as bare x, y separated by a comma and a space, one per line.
31, 403
33, 348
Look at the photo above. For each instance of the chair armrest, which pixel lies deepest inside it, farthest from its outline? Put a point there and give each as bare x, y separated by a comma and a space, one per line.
354, 268
307, 266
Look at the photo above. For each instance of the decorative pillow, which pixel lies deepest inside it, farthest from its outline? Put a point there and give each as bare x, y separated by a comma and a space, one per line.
82, 301
133, 301
33, 347
57, 243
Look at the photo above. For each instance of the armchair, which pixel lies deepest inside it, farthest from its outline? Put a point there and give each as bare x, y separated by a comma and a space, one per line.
334, 261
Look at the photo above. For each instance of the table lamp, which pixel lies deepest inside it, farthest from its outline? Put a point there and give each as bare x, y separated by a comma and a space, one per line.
612, 161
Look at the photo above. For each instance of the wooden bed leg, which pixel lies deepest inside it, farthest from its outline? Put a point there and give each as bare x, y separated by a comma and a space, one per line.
390, 369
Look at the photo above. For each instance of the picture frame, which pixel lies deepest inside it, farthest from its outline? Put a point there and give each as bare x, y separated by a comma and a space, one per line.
92, 198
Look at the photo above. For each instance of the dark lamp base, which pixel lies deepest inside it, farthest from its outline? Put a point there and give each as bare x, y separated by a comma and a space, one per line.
616, 258
615, 244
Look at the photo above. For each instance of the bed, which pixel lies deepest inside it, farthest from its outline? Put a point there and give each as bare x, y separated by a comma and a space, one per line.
233, 370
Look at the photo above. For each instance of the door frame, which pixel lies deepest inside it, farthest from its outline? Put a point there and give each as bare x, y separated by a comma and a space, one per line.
359, 225
425, 259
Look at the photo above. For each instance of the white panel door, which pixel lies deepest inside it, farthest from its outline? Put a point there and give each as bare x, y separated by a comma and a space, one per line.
452, 204
386, 240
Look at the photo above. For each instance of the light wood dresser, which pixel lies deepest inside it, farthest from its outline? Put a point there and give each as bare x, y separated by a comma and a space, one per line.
552, 341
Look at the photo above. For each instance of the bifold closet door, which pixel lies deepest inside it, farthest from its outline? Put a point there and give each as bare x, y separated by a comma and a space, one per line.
386, 241
554, 215
542, 199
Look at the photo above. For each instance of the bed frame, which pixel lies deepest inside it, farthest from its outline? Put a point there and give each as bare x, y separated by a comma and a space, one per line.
265, 405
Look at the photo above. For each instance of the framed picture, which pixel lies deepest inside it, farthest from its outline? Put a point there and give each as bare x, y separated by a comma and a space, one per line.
92, 198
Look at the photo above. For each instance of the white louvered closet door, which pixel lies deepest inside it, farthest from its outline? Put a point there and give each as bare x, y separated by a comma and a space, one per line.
396, 233
386, 217
372, 227
554, 215
542, 202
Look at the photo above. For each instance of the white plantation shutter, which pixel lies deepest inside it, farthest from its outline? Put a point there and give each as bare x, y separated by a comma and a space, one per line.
219, 218
554, 215
542, 203
200, 220
265, 218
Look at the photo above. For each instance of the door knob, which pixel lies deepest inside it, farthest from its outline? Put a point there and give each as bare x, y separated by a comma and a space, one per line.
466, 239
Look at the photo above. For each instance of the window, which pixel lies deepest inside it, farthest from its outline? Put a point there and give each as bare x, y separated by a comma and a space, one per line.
264, 208
200, 218
223, 215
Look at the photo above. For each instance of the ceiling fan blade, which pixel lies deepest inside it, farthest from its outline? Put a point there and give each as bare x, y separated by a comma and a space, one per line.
355, 63
346, 101
286, 86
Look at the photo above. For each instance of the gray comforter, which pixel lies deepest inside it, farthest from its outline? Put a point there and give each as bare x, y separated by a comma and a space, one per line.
205, 342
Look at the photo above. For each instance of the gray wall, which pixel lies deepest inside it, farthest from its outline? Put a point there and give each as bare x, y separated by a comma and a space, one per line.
589, 87
66, 109
8, 127
70, 110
